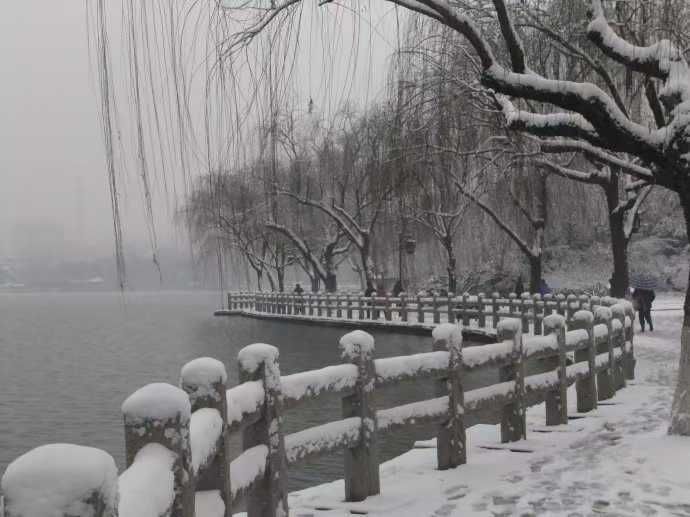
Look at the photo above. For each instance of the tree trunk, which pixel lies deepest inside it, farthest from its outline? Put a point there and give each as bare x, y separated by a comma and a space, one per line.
331, 283
452, 279
367, 266
620, 279
680, 413
534, 274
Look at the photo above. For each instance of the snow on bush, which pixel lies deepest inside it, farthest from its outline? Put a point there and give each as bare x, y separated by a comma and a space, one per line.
58, 479
447, 332
244, 399
157, 401
203, 371
315, 382
147, 487
205, 429
247, 467
322, 438
252, 356
355, 344
553, 321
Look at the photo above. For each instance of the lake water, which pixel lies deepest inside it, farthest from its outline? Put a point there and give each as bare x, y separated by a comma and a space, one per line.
69, 360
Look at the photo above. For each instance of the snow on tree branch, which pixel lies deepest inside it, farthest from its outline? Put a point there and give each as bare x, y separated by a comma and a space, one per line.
563, 145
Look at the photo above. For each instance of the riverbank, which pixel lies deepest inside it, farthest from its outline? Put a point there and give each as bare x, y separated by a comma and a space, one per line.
616, 460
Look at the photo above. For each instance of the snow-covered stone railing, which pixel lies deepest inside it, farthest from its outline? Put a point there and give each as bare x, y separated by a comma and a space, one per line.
481, 311
177, 439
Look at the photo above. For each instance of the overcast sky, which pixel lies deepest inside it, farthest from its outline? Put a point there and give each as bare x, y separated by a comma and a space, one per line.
51, 155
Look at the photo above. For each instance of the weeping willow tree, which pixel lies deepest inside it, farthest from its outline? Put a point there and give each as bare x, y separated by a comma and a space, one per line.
183, 94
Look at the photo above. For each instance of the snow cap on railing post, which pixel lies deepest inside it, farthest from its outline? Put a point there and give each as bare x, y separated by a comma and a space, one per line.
159, 413
61, 480
538, 310
513, 424
205, 381
268, 496
605, 377
451, 440
586, 387
557, 399
618, 314
361, 461
629, 362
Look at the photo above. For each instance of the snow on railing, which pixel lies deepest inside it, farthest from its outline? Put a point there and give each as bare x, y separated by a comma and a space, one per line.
177, 440
479, 311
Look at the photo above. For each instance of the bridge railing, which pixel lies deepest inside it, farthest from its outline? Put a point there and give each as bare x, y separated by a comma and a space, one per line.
177, 439
481, 310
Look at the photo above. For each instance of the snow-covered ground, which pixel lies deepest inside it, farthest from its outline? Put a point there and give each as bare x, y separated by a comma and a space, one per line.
616, 460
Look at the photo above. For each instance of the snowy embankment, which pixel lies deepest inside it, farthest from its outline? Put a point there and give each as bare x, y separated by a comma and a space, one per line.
616, 460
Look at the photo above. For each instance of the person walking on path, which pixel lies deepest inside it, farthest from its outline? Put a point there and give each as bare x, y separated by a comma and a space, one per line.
642, 301
299, 291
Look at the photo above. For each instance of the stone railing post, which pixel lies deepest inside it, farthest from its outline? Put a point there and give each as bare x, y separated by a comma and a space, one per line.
495, 309
605, 382
525, 304
403, 306
327, 302
268, 496
557, 399
92, 476
629, 363
205, 381
572, 306
387, 307
360, 307
513, 425
349, 306
361, 461
160, 413
618, 313
465, 310
451, 308
586, 387
437, 314
481, 317
561, 304
451, 440
538, 305
420, 309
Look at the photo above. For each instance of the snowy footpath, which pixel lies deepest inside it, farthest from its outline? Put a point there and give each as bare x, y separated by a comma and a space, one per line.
616, 460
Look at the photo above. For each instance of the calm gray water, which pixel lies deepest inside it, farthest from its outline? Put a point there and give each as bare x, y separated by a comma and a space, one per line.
69, 360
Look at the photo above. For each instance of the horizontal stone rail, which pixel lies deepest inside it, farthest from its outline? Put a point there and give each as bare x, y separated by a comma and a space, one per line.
480, 311
177, 439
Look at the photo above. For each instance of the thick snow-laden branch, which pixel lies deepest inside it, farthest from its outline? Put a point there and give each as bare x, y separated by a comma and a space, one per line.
593, 177
593, 153
599, 112
632, 212
354, 233
656, 60
548, 124
301, 246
